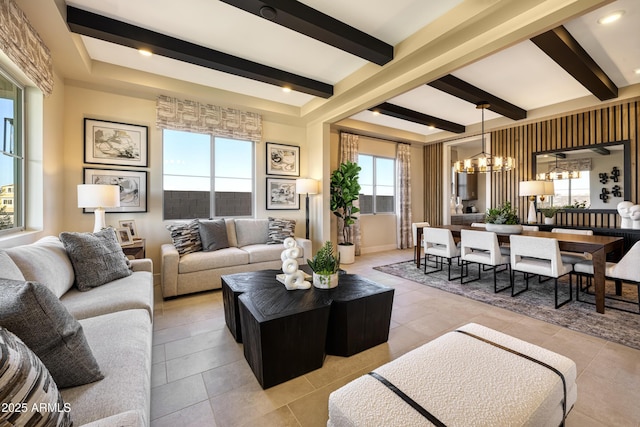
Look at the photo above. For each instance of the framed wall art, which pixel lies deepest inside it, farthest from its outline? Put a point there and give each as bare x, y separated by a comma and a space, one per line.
281, 194
112, 143
283, 159
133, 187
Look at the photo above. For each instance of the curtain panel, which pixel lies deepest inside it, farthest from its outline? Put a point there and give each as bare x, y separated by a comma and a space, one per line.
193, 116
22, 45
403, 200
349, 152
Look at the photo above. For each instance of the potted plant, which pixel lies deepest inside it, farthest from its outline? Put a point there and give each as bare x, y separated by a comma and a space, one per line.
325, 265
503, 219
549, 214
345, 190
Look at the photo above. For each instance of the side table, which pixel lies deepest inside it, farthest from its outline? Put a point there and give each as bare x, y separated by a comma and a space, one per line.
136, 250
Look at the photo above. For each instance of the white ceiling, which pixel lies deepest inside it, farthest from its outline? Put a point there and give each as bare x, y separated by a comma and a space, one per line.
521, 74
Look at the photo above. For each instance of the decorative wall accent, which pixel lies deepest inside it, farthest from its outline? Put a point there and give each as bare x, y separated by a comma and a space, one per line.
133, 187
193, 116
112, 143
22, 44
281, 194
283, 159
433, 187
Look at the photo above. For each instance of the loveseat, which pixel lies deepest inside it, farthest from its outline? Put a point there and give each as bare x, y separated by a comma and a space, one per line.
116, 319
248, 249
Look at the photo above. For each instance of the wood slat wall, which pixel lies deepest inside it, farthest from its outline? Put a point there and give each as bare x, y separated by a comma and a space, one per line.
433, 183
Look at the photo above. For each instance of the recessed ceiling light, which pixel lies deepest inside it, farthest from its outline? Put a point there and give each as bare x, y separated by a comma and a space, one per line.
375, 112
611, 17
286, 89
144, 52
637, 71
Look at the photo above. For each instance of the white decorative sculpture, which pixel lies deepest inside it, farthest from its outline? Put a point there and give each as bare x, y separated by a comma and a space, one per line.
624, 211
459, 206
293, 278
634, 215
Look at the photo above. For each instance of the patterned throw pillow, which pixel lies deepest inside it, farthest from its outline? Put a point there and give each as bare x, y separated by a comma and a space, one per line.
29, 396
32, 312
280, 229
186, 237
97, 258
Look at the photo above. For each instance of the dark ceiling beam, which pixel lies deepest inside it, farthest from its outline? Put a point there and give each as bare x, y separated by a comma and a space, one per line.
111, 30
315, 24
601, 150
560, 46
417, 117
463, 90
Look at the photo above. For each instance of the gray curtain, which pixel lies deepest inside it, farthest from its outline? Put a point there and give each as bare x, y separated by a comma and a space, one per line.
349, 152
403, 196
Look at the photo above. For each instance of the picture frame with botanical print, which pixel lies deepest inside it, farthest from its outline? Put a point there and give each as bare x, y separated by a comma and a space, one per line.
124, 236
281, 194
131, 225
113, 143
132, 183
283, 159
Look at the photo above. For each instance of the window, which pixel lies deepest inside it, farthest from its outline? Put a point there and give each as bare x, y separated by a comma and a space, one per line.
376, 178
206, 176
572, 191
11, 156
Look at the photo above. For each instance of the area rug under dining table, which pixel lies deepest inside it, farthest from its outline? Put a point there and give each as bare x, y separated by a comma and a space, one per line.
538, 302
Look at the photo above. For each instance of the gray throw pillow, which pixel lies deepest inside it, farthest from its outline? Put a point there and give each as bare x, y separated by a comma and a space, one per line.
29, 396
213, 234
97, 258
185, 237
280, 229
32, 312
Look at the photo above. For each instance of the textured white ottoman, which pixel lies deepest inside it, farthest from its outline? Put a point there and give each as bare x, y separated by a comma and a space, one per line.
462, 381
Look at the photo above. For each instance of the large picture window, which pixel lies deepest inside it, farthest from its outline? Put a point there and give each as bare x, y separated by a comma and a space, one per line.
377, 194
206, 176
11, 156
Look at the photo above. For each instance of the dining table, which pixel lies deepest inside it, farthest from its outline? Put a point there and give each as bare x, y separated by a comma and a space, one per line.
597, 246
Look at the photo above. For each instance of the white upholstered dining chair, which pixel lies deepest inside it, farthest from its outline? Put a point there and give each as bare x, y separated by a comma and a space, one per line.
417, 245
538, 256
482, 248
439, 243
574, 257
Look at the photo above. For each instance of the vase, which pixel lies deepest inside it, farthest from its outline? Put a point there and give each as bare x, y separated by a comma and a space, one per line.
549, 221
504, 228
325, 281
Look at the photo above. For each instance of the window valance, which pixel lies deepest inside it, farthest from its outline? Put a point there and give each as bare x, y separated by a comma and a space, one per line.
22, 45
180, 114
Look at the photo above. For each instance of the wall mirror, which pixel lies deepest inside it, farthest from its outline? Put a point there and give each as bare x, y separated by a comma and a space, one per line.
594, 177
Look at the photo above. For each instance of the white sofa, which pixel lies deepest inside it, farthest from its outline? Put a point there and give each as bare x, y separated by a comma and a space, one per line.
248, 251
117, 321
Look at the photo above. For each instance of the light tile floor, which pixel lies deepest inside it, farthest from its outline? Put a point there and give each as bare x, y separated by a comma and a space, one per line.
200, 376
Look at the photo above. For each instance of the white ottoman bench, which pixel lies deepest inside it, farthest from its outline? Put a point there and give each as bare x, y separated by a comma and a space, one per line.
473, 376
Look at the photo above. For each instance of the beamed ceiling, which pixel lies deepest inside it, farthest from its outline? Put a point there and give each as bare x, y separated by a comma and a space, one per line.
517, 58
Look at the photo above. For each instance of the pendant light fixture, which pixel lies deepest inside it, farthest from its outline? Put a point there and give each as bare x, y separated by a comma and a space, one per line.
558, 173
484, 162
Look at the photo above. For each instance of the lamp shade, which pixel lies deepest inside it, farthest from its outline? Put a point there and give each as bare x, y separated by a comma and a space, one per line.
98, 196
532, 188
306, 186
549, 188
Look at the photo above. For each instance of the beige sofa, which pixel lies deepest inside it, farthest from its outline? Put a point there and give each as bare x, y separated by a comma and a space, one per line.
117, 322
248, 251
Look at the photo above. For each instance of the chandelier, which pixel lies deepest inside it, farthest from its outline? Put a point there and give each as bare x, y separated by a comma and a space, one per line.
558, 173
484, 162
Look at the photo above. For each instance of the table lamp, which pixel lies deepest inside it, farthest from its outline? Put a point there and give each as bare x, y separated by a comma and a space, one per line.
306, 186
98, 197
532, 189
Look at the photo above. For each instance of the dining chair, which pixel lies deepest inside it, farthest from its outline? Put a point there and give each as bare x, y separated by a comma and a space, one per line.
482, 248
538, 256
504, 248
416, 244
627, 270
439, 243
573, 257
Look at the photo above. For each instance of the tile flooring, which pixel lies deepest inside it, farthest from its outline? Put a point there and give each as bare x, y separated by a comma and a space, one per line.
200, 377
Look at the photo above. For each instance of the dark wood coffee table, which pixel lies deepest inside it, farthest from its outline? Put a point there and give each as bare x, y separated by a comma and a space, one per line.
286, 333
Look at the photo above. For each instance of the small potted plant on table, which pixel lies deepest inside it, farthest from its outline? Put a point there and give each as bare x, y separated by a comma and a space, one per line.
549, 214
325, 265
503, 219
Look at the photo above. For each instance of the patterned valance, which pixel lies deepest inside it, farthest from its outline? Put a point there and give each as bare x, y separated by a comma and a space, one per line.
193, 116
22, 44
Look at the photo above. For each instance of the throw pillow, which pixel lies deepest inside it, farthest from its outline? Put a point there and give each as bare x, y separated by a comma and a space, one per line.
97, 258
32, 312
280, 229
213, 234
186, 237
29, 396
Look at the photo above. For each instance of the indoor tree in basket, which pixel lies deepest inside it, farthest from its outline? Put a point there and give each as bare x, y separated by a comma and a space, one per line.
345, 190
325, 265
503, 219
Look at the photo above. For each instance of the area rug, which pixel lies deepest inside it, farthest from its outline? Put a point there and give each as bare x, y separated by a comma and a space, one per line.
538, 302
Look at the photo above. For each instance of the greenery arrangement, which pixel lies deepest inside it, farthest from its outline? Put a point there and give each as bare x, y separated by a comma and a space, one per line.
325, 260
503, 214
345, 190
577, 205
550, 211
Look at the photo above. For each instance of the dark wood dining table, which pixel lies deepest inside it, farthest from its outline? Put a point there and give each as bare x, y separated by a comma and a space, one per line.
597, 246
